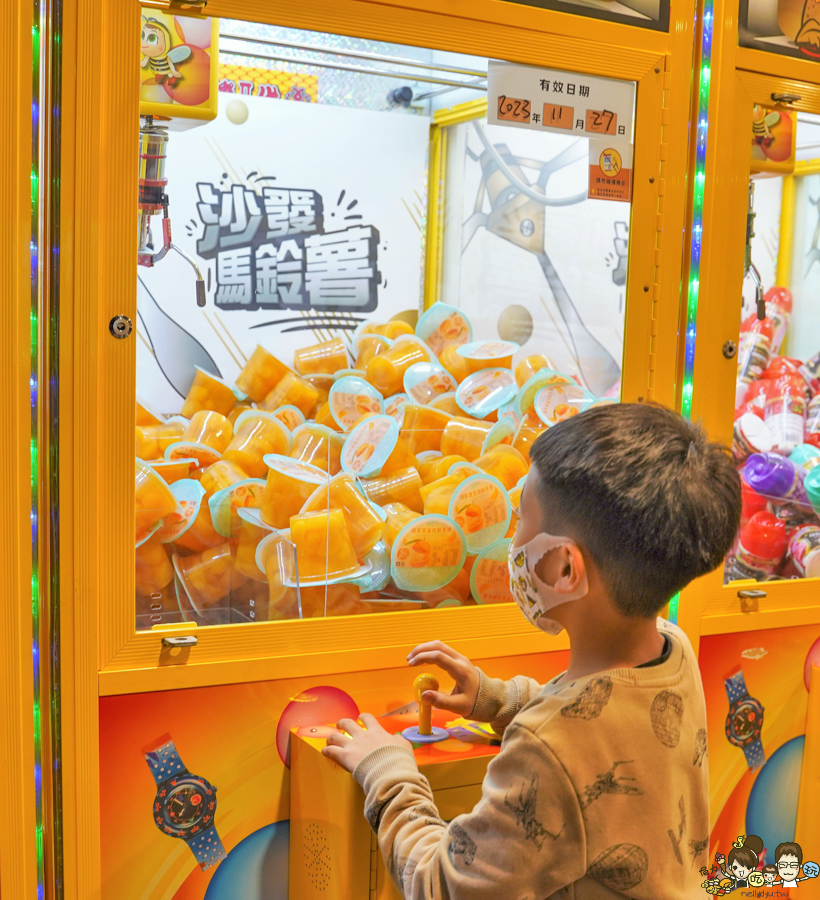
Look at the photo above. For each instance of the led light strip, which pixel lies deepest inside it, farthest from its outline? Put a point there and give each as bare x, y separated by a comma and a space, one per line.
34, 436
44, 439
701, 134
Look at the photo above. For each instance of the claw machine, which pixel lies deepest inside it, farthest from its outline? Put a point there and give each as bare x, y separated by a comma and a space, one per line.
379, 249
750, 377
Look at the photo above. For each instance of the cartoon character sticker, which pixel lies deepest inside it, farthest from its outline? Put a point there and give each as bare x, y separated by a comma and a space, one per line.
744, 867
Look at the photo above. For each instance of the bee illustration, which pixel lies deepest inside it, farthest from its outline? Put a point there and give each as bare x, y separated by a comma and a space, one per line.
157, 53
762, 121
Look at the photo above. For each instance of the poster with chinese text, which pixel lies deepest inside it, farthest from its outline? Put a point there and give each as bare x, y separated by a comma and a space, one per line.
303, 218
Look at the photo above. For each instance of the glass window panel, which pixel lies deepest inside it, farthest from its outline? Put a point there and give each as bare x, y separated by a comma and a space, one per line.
311, 442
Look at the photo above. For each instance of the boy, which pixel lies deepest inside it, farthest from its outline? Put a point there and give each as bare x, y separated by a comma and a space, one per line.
600, 788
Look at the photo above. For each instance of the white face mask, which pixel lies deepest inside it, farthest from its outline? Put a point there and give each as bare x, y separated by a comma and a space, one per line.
534, 597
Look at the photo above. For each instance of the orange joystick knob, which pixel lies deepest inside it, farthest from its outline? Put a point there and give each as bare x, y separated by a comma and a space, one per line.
420, 685
425, 732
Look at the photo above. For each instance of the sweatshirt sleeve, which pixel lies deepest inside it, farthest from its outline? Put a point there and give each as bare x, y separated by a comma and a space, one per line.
499, 701
524, 838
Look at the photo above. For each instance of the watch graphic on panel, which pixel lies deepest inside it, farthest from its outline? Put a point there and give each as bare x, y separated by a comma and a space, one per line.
185, 804
745, 719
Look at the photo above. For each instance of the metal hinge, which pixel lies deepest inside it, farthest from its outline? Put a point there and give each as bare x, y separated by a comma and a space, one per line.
195, 8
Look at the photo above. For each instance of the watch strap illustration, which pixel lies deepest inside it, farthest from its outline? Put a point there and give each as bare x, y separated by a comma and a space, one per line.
754, 753
735, 685
163, 759
207, 848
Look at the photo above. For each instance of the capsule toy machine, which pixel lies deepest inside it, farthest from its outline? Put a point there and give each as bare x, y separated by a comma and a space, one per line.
420, 241
751, 377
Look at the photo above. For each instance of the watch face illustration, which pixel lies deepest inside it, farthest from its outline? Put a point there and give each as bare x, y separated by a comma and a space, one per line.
185, 806
744, 722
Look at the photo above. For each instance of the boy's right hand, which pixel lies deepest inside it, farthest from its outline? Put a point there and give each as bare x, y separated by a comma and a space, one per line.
463, 697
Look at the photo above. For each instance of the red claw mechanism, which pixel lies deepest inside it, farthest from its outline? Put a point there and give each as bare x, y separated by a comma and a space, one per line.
153, 200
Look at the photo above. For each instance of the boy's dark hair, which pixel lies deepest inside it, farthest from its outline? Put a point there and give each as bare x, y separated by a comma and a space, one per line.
650, 499
789, 849
769, 870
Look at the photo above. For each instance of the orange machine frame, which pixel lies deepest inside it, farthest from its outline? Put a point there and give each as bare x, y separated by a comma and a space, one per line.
101, 652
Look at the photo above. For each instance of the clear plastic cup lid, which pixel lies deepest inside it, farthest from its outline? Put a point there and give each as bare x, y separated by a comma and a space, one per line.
481, 507
485, 391
427, 553
369, 445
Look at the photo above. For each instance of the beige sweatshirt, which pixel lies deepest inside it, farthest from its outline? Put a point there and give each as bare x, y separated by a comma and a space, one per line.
599, 792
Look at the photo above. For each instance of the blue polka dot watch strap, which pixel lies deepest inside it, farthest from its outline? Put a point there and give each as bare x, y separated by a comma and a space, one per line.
736, 686
163, 759
207, 848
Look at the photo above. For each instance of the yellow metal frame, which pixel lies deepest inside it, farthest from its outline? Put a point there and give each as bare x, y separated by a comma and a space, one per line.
101, 652
18, 850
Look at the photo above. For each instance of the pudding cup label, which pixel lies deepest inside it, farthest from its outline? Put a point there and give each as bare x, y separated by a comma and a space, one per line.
481, 507
351, 398
526, 396
188, 494
484, 391
394, 406
292, 468
426, 381
556, 403
490, 576
428, 553
488, 349
225, 503
370, 444
290, 416
442, 326
204, 455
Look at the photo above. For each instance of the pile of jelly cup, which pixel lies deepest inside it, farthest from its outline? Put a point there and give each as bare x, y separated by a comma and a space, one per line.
380, 474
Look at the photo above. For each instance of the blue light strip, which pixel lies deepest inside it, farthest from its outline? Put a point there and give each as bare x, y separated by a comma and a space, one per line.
699, 180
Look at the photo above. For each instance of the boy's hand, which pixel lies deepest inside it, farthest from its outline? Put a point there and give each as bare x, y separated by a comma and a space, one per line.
348, 752
463, 697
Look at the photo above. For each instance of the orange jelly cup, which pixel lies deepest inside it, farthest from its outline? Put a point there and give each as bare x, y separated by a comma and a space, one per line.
328, 356
238, 408
423, 427
334, 599
318, 446
262, 372
529, 366
364, 524
525, 437
208, 392
398, 515
368, 346
209, 577
209, 428
147, 416
289, 485
275, 557
151, 441
249, 536
396, 328
292, 390
154, 500
171, 470
202, 534
403, 486
456, 365
386, 371
506, 463
257, 435
465, 437
153, 568
324, 550
221, 474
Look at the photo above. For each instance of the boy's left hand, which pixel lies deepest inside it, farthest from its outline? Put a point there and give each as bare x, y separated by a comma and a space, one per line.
348, 752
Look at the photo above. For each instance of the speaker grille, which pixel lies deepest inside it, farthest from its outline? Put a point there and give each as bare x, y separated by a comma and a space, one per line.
317, 857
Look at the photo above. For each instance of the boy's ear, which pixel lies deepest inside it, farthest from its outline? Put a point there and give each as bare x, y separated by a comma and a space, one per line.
573, 569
